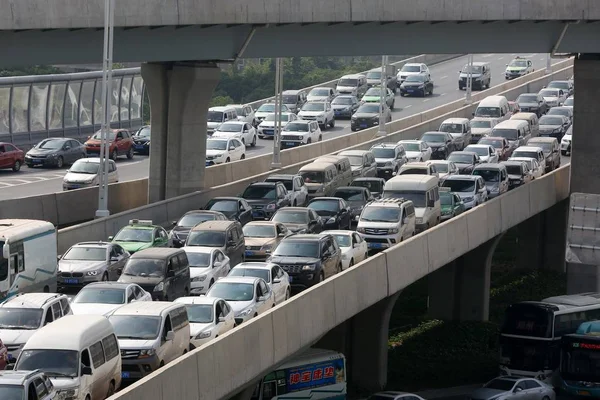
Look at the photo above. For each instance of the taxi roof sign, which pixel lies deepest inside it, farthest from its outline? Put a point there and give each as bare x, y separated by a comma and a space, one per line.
140, 222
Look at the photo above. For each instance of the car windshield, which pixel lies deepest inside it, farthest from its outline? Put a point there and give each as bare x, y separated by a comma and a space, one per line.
509, 134
232, 291
194, 219
271, 117
111, 135
143, 132
214, 116
342, 100
527, 98
433, 137
459, 185
212, 144
239, 111
373, 92
12, 392
20, 318
481, 151
411, 68
524, 153
414, 171
417, 197
50, 144
288, 183
408, 146
451, 128
548, 120
55, 363
312, 176
270, 108
441, 167
199, 313
500, 384
446, 198
518, 63
495, 143
342, 240
290, 99
374, 75
81, 253
86, 167
198, 260
134, 235
513, 170
259, 231
356, 161
350, 195
100, 296
313, 107
297, 248
331, 206
296, 127
144, 267
373, 186
230, 127
380, 152
460, 158
547, 147
415, 78
206, 239
481, 124
135, 326
475, 69
255, 192
488, 112
549, 92
570, 102
348, 82
368, 109
559, 85
559, 111
380, 214
319, 92
253, 272
488, 175
291, 217
222, 205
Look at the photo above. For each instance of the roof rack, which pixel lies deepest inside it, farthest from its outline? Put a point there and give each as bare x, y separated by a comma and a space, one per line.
390, 200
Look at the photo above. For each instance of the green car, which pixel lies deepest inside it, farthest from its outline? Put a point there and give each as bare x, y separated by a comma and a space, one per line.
140, 235
373, 95
452, 204
518, 67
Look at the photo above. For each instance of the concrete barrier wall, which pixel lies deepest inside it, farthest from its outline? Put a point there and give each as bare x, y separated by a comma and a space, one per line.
168, 210
219, 369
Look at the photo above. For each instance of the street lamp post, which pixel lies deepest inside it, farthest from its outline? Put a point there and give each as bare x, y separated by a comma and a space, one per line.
469, 80
548, 63
382, 97
278, 101
109, 20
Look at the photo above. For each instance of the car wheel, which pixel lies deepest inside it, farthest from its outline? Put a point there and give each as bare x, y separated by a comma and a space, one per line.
111, 389
60, 162
114, 155
17, 166
351, 263
326, 124
105, 277
30, 166
243, 157
228, 159
332, 124
321, 277
309, 141
563, 152
243, 141
288, 294
253, 141
320, 138
393, 104
130, 153
340, 268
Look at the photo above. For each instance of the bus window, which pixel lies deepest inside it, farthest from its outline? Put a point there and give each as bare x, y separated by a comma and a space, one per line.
269, 390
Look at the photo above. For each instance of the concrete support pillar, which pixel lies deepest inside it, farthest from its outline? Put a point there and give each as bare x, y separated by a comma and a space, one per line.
179, 94
460, 290
555, 236
530, 242
585, 166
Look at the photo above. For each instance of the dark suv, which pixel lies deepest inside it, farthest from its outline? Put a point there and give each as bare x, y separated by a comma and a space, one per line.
266, 198
308, 259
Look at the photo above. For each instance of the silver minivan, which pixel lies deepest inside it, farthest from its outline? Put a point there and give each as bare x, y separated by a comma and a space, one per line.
495, 177
362, 162
343, 166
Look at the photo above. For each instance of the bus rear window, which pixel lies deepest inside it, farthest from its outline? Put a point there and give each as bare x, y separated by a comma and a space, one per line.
527, 320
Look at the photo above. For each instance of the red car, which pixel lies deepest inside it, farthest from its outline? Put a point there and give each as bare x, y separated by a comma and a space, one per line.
11, 157
3, 356
121, 144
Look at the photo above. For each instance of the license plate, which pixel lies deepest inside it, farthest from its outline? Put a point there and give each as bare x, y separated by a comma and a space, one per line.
125, 375
375, 245
71, 281
409, 90
363, 125
248, 253
337, 112
583, 393
257, 214
37, 161
268, 132
289, 143
291, 278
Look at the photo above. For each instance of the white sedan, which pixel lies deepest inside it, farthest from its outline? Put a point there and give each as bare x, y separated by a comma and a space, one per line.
266, 129
445, 168
536, 169
101, 298
207, 265
354, 248
486, 153
241, 130
248, 296
416, 150
209, 317
277, 279
222, 150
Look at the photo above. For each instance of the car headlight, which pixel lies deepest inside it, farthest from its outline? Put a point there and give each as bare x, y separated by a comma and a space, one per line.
388, 164
468, 199
331, 220
160, 287
309, 267
68, 394
360, 230
145, 353
203, 335
198, 278
419, 220
421, 86
245, 312
393, 230
90, 180
267, 247
271, 206
92, 273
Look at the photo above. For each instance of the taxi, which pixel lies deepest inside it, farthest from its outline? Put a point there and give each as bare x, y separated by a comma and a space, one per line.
141, 234
518, 67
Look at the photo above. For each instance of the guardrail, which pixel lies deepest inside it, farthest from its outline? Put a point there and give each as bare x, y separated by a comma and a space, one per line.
169, 210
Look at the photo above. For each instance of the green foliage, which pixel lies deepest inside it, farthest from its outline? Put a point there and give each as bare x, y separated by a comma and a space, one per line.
30, 70
221, 101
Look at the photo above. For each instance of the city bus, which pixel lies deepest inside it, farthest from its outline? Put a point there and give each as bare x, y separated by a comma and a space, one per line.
531, 332
580, 361
315, 374
29, 260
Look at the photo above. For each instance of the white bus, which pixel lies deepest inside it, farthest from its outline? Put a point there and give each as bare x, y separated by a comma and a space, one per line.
531, 333
28, 262
316, 374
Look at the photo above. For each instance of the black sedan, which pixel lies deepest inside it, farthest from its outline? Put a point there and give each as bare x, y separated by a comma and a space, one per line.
334, 212
441, 143
465, 161
55, 152
345, 106
234, 208
265, 198
367, 116
356, 197
417, 85
554, 126
181, 229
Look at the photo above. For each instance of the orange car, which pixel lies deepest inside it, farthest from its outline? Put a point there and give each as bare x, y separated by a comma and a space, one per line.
11, 157
121, 144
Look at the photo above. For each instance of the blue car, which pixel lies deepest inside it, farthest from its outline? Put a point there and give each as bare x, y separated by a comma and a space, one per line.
141, 140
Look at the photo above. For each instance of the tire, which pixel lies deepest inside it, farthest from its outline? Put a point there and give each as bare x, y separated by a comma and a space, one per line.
162, 364
288, 294
114, 155
321, 277
563, 152
325, 125
46, 289
60, 162
431, 92
16, 166
320, 138
212, 282
243, 157
393, 104
30, 166
294, 203
228, 159
111, 389
340, 268
351, 263
309, 141
130, 153
253, 141
105, 277
332, 124
243, 141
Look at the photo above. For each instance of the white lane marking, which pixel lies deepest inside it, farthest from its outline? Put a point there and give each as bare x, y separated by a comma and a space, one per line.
542, 59
29, 180
444, 77
488, 55
443, 94
408, 106
530, 55
426, 100
501, 58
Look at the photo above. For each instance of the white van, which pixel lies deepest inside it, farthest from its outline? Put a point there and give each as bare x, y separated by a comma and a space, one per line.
532, 119
517, 132
217, 115
151, 334
79, 353
423, 191
343, 166
493, 107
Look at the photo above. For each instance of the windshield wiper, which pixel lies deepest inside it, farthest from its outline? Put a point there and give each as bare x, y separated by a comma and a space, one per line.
131, 337
13, 327
52, 373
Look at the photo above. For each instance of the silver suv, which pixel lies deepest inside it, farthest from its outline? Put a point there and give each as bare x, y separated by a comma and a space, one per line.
389, 157
26, 385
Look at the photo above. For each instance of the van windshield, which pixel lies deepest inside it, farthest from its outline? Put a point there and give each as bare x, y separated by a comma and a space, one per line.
514, 170
100, 296
20, 318
451, 128
199, 313
510, 134
144, 267
135, 326
493, 112
482, 123
214, 116
381, 214
312, 176
12, 392
488, 175
414, 171
55, 363
417, 197
528, 154
348, 82
460, 185
547, 147
290, 99
475, 69
374, 75
232, 291
206, 239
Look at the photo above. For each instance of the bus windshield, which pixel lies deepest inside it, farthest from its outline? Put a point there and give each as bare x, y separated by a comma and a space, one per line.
580, 359
528, 320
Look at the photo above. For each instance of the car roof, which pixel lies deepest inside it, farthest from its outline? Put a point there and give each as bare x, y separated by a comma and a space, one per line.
235, 122
410, 141
89, 160
331, 198
255, 265
494, 138
281, 176
542, 139
477, 146
489, 166
321, 87
417, 164
198, 249
213, 225
386, 144
529, 148
219, 139
263, 184
197, 300
109, 285
462, 177
352, 188
156, 252
30, 300
149, 308
368, 178
455, 120
352, 152
353, 76
270, 223
304, 237
471, 153
238, 279
92, 244
16, 378
292, 209
304, 121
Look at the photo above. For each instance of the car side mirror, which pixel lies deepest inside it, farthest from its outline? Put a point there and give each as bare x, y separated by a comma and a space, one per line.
114, 259
518, 389
58, 257
261, 298
221, 320
86, 371
230, 243
174, 223
67, 148
170, 273
110, 238
118, 139
231, 148
9, 367
488, 192
170, 336
276, 280
405, 220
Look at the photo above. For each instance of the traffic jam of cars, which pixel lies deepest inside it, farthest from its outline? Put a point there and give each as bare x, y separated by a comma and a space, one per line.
122, 308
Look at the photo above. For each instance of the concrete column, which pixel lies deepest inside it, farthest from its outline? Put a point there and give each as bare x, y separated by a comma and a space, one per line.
180, 95
584, 158
530, 242
442, 289
555, 236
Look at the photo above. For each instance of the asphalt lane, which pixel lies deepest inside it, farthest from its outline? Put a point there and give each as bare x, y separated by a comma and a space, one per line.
37, 181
